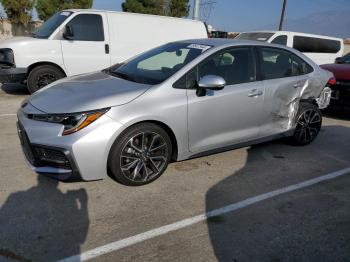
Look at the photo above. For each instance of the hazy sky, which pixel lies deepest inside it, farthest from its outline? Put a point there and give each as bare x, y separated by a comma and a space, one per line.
245, 15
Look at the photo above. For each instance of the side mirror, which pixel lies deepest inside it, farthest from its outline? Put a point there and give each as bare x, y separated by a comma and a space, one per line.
212, 82
68, 34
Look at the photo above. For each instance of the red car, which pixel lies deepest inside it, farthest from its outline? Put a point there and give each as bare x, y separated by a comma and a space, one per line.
341, 88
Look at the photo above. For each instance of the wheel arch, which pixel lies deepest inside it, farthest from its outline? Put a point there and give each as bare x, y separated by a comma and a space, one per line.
310, 100
165, 127
32, 66
171, 134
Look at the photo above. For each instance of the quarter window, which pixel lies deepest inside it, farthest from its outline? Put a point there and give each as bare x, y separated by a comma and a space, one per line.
300, 67
235, 66
87, 27
278, 63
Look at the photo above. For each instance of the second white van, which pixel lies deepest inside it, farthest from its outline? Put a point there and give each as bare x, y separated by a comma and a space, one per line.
321, 49
73, 42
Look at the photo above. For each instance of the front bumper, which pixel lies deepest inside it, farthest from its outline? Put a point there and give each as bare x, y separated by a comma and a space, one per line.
12, 74
79, 156
52, 161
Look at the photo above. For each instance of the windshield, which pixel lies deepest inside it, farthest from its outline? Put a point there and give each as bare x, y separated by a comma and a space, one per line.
258, 36
51, 24
156, 65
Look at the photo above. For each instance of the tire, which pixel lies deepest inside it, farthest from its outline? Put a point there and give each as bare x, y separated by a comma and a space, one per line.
134, 163
43, 75
308, 124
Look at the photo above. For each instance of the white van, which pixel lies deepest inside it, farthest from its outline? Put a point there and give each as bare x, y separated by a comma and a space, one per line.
321, 49
73, 42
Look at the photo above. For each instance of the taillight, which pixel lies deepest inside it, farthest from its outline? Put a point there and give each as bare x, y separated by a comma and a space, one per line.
332, 81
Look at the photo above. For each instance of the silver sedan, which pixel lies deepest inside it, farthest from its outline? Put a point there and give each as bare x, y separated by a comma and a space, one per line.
178, 101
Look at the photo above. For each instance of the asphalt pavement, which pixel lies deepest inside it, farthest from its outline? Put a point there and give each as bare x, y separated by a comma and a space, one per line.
45, 220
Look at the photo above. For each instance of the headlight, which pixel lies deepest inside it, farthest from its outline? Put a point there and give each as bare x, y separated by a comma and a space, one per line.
71, 122
6, 57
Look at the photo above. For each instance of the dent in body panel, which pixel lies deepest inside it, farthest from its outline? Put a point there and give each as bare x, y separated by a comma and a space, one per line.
285, 100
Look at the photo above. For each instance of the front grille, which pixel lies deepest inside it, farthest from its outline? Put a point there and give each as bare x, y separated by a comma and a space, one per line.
40, 156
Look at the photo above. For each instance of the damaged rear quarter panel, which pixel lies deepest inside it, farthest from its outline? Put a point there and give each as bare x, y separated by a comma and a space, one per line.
283, 96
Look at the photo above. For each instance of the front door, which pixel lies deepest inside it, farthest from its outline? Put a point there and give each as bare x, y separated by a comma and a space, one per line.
88, 50
229, 116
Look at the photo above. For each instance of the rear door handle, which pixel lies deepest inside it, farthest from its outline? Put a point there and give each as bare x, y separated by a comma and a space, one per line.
255, 92
107, 48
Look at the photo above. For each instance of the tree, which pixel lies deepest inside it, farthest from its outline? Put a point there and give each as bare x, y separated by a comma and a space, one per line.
47, 8
177, 8
18, 12
155, 7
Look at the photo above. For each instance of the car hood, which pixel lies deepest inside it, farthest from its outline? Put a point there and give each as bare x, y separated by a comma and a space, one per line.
18, 41
86, 92
340, 71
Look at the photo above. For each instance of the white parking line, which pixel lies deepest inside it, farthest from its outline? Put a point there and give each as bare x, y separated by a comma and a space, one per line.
117, 245
4, 115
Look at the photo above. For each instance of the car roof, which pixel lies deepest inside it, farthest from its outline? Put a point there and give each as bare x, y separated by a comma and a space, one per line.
220, 42
293, 33
226, 42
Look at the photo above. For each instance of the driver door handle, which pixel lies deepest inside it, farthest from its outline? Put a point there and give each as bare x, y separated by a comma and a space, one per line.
255, 93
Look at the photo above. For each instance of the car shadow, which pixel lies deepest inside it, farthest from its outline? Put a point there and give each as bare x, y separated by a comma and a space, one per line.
43, 223
15, 89
281, 231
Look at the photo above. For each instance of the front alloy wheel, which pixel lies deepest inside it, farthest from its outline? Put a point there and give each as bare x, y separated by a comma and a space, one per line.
141, 155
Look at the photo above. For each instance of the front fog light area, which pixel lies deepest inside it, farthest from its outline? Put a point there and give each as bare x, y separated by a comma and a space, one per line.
50, 157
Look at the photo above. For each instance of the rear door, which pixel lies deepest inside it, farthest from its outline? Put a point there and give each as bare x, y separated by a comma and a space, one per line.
229, 116
88, 51
285, 76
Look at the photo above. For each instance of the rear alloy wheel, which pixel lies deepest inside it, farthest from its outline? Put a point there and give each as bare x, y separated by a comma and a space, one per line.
309, 122
43, 75
141, 155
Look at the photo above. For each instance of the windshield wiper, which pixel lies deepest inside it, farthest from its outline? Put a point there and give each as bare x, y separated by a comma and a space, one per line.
121, 75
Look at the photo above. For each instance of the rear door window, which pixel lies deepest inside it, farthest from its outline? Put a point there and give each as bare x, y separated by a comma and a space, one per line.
278, 63
87, 27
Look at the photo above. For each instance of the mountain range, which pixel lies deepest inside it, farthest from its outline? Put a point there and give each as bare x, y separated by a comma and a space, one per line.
331, 23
